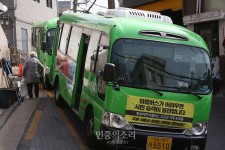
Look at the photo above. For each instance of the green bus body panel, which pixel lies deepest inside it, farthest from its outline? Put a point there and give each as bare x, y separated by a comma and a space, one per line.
115, 101
119, 98
89, 93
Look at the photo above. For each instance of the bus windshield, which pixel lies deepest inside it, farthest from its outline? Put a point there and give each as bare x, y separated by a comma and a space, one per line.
161, 65
50, 38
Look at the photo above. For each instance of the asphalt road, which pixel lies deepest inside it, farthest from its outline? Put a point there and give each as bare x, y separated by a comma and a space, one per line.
216, 130
58, 128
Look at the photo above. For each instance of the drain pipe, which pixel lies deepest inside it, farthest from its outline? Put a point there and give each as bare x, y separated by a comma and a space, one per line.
198, 6
14, 25
197, 2
15, 4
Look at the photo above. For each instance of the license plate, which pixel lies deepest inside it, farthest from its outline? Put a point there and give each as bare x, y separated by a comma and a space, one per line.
158, 143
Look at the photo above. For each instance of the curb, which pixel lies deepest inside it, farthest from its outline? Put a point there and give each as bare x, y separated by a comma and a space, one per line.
6, 114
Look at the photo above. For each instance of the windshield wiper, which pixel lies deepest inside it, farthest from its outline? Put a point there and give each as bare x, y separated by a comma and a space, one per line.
185, 90
154, 90
145, 87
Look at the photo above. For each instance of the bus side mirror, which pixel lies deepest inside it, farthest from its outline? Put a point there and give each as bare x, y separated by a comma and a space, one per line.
44, 46
109, 72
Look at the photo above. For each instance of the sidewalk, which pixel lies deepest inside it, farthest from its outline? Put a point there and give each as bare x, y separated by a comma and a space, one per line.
5, 114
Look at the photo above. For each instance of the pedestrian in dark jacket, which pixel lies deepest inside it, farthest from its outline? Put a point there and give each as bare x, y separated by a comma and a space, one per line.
32, 77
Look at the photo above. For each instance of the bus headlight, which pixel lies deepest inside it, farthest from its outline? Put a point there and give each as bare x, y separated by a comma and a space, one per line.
115, 121
198, 128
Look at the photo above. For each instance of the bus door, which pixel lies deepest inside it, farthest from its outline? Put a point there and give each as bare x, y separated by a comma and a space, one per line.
48, 51
62, 64
73, 61
41, 38
80, 72
93, 84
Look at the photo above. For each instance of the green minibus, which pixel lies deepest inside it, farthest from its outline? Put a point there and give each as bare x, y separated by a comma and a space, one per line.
134, 79
43, 34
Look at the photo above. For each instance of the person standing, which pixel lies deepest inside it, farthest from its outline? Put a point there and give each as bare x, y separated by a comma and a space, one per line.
32, 77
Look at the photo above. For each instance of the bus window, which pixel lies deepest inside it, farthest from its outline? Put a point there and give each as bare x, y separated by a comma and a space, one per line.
35, 42
74, 42
101, 60
33, 36
64, 38
50, 38
92, 47
42, 35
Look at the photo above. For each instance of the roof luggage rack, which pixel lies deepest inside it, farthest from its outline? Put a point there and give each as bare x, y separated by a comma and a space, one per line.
161, 34
135, 13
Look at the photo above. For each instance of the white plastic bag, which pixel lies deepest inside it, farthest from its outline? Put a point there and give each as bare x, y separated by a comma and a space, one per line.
23, 88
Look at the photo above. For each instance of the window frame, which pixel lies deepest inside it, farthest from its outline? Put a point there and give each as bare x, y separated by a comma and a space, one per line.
71, 29
49, 3
37, 1
67, 40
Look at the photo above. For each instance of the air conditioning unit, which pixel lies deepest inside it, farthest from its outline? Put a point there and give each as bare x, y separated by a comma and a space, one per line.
3, 8
135, 13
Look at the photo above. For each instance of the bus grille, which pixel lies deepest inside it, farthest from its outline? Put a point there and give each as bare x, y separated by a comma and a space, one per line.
158, 129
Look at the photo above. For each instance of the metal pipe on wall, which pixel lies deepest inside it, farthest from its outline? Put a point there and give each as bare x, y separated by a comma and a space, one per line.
197, 2
74, 5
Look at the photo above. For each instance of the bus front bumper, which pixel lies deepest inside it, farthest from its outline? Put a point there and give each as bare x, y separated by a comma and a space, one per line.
139, 140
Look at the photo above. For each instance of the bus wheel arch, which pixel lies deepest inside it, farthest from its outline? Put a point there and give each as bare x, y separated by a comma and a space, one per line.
89, 126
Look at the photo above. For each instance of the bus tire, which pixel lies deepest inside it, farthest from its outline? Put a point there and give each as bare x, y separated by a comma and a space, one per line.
89, 129
58, 98
47, 84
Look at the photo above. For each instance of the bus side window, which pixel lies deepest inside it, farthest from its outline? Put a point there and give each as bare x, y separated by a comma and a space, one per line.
92, 47
64, 38
33, 36
58, 34
101, 60
42, 35
74, 42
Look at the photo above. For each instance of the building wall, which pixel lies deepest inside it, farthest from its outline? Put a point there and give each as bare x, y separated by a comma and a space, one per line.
29, 12
221, 36
191, 27
212, 5
189, 7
